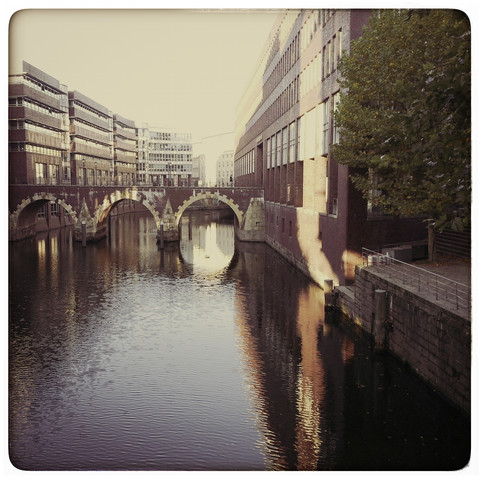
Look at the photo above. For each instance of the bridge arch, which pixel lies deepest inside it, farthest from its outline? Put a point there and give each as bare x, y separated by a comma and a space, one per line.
24, 216
208, 195
109, 201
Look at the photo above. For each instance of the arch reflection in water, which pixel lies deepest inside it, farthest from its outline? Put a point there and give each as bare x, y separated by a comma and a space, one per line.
207, 240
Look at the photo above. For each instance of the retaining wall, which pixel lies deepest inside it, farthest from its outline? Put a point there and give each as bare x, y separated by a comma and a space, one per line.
433, 341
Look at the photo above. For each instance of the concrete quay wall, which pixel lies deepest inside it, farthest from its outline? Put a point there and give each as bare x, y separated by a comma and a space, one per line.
433, 341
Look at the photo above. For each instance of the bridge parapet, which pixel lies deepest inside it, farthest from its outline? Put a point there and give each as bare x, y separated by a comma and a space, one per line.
89, 207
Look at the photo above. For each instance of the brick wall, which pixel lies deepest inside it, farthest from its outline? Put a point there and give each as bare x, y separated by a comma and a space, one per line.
433, 341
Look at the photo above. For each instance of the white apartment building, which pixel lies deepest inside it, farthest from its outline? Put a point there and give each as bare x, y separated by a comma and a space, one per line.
164, 157
224, 169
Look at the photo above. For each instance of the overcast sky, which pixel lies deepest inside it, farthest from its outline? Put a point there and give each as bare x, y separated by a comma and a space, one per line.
183, 69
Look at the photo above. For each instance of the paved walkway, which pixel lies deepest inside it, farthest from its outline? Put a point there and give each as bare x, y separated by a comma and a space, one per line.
460, 272
447, 284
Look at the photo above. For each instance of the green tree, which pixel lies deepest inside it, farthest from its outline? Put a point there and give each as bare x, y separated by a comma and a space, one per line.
404, 114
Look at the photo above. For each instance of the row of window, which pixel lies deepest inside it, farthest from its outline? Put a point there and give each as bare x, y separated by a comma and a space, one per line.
286, 62
286, 100
170, 167
79, 157
108, 135
34, 83
33, 127
38, 107
28, 147
169, 157
90, 143
307, 137
126, 153
272, 217
245, 164
92, 111
331, 54
170, 147
126, 141
41, 87
171, 137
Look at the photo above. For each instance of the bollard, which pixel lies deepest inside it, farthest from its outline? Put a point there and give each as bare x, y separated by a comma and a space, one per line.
162, 240
84, 234
379, 319
328, 292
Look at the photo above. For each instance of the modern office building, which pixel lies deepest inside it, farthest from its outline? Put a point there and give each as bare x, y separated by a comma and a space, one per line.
125, 150
143, 177
224, 170
165, 157
38, 138
198, 171
91, 141
284, 132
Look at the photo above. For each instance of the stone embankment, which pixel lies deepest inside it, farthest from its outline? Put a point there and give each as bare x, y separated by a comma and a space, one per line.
419, 317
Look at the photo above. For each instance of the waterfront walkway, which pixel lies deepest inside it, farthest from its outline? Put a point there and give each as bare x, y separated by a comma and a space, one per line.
446, 283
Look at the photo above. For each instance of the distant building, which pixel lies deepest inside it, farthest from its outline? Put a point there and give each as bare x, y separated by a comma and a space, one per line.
61, 136
91, 141
165, 157
38, 138
198, 171
143, 177
125, 150
212, 147
224, 170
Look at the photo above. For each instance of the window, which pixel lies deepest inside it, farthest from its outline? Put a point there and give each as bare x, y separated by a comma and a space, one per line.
53, 174
336, 134
285, 146
274, 150
54, 210
326, 125
41, 173
300, 139
279, 148
293, 137
339, 45
269, 151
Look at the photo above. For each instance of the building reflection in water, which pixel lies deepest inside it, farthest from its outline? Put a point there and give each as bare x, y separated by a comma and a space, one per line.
315, 397
280, 326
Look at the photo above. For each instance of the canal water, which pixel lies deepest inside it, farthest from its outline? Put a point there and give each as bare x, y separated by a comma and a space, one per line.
205, 356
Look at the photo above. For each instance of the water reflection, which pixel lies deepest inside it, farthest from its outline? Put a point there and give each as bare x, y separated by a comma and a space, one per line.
207, 240
204, 355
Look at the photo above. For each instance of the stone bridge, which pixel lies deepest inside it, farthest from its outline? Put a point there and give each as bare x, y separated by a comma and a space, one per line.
89, 208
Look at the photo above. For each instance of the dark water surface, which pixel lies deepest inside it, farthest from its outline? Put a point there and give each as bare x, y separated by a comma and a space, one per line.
205, 356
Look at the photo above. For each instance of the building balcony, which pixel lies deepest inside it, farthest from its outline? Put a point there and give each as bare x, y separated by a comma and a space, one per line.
25, 113
77, 147
90, 118
22, 90
121, 156
124, 132
36, 138
100, 136
124, 145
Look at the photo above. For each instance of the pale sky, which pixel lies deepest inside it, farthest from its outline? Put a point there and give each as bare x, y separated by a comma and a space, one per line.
182, 69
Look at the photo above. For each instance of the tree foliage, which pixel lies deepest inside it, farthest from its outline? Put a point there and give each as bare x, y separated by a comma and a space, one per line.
404, 114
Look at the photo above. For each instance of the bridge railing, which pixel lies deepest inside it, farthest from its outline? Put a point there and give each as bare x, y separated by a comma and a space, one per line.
438, 288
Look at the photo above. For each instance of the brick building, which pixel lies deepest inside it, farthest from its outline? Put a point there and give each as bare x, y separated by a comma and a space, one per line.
125, 150
284, 133
38, 128
91, 141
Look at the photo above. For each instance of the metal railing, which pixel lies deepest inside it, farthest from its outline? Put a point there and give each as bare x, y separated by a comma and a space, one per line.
444, 291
